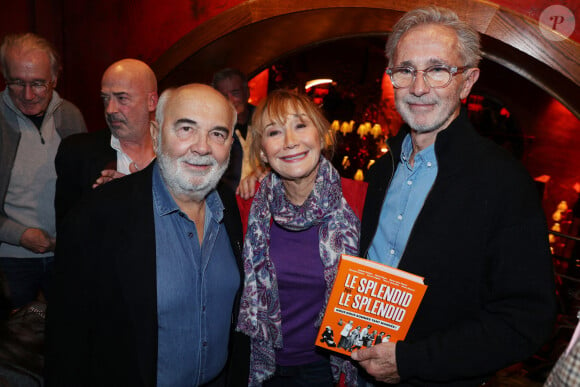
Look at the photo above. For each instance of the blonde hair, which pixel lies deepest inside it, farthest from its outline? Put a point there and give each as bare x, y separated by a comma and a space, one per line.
276, 107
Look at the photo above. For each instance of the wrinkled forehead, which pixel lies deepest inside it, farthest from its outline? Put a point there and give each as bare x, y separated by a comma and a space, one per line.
29, 59
123, 82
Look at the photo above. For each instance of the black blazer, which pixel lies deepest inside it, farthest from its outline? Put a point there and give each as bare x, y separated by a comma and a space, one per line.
102, 317
78, 163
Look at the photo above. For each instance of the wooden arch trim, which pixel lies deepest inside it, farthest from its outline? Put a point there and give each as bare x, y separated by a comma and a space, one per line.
256, 33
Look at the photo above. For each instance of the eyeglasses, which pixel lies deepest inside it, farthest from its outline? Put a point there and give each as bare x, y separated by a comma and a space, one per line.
38, 87
435, 77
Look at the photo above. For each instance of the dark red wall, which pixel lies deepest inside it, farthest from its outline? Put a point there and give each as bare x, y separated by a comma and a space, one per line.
92, 34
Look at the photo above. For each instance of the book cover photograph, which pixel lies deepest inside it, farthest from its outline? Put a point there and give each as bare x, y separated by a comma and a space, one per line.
370, 303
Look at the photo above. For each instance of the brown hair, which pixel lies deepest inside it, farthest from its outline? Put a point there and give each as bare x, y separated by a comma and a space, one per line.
276, 106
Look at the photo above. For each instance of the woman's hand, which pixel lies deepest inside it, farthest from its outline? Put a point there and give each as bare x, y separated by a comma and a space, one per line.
247, 187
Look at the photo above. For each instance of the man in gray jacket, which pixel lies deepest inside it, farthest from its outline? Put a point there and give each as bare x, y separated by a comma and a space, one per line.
33, 120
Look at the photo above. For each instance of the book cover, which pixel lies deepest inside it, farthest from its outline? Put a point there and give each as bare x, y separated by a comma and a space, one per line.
369, 303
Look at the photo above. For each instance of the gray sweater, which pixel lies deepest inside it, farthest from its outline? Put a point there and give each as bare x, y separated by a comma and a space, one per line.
27, 175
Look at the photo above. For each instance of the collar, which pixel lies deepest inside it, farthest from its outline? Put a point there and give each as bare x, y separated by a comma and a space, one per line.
424, 157
116, 144
453, 145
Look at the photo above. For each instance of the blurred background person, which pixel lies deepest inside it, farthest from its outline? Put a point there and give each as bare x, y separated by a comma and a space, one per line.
233, 84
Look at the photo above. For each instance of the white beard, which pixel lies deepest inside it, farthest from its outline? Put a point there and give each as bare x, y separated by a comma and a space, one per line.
187, 183
444, 109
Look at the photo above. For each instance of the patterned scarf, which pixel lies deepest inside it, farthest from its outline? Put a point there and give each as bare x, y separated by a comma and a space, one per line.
260, 314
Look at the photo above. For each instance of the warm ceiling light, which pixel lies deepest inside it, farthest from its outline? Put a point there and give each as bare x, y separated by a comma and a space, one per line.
316, 82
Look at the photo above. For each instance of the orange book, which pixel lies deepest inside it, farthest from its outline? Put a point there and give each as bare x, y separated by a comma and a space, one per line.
369, 303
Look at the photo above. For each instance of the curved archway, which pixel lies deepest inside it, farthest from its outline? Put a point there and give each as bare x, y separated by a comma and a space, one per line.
255, 33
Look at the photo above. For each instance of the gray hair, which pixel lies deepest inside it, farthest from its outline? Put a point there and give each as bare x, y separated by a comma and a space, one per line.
160, 110
28, 41
469, 41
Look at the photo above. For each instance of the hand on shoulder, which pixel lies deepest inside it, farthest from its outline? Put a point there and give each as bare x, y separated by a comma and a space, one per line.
248, 185
106, 176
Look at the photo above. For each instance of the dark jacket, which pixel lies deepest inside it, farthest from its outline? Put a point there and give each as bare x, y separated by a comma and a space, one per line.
102, 319
79, 162
481, 243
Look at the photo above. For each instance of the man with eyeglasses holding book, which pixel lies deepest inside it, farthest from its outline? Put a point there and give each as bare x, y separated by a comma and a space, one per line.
450, 206
33, 120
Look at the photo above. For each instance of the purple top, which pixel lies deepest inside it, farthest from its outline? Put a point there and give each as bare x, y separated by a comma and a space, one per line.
301, 286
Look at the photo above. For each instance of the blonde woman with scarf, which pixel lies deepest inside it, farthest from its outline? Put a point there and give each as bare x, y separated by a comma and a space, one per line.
299, 223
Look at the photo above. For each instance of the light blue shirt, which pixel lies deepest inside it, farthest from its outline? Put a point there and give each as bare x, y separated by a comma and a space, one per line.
404, 200
196, 287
